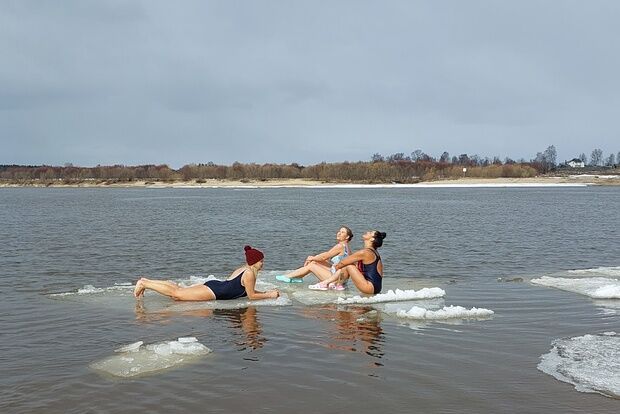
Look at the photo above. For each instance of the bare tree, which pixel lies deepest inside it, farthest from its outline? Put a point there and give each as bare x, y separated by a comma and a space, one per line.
445, 157
583, 158
596, 158
416, 155
611, 160
399, 156
464, 159
550, 155
376, 157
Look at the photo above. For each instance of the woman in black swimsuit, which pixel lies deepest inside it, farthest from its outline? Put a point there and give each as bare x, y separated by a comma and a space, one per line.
364, 267
241, 283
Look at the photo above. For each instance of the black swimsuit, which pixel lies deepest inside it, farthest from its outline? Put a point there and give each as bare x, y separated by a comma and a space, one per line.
227, 289
371, 273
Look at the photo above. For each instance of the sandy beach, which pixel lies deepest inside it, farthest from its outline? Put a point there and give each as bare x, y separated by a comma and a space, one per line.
571, 180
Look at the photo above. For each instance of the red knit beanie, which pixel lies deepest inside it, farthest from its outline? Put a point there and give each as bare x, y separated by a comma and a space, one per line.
253, 256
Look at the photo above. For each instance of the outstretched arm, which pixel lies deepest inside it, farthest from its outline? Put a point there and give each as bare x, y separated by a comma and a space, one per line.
334, 251
249, 282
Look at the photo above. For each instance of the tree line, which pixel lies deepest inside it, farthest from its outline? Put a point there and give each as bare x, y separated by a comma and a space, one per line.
398, 167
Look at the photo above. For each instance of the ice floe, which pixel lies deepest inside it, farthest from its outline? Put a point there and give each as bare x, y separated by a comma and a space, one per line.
121, 294
613, 271
139, 359
394, 295
590, 362
90, 290
594, 287
283, 300
447, 312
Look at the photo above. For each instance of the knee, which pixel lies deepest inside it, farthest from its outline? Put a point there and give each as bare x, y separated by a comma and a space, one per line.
176, 294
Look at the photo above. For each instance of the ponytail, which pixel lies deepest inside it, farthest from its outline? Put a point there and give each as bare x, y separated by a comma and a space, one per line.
378, 239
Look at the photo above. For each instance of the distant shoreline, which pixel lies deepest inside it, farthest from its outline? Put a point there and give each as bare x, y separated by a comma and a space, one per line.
573, 180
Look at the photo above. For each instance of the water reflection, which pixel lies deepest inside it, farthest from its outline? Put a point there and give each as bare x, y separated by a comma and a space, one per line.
250, 331
354, 329
246, 327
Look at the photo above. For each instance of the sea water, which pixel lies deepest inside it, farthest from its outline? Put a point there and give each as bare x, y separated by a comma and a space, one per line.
539, 343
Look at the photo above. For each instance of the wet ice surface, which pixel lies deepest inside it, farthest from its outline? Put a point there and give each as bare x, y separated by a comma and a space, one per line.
314, 297
594, 287
613, 271
590, 362
447, 312
121, 295
394, 295
139, 359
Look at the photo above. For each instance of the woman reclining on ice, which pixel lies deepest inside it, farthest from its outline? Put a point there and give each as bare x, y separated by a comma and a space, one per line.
364, 267
322, 264
241, 283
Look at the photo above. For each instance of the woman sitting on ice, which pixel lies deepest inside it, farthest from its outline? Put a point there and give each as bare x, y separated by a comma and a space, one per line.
322, 265
364, 267
241, 283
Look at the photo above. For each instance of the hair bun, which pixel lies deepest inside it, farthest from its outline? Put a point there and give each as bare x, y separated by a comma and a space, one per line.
246, 248
382, 235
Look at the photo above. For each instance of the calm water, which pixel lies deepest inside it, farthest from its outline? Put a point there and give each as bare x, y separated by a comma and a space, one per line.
300, 358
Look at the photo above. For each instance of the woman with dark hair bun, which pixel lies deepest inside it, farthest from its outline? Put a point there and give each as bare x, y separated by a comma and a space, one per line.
364, 267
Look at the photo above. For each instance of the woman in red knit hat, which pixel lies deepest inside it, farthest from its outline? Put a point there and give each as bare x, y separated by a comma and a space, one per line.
240, 283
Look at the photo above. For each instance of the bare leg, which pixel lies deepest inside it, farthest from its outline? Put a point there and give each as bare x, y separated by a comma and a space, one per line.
343, 276
323, 273
196, 292
332, 278
301, 272
359, 280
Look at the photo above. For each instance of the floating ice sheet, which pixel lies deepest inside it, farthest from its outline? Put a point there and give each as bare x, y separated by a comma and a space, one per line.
314, 297
91, 290
613, 271
139, 359
590, 362
121, 295
317, 297
283, 300
594, 287
394, 295
447, 312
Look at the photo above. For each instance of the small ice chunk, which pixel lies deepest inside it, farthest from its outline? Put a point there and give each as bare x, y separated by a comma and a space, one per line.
89, 289
187, 339
151, 358
395, 295
133, 347
163, 349
607, 292
447, 312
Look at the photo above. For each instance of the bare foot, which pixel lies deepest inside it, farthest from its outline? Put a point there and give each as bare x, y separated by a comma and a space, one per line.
139, 289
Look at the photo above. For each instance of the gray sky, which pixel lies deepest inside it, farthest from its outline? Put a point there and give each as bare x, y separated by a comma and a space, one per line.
148, 81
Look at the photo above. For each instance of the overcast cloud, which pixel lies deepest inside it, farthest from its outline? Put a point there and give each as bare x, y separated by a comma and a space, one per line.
133, 82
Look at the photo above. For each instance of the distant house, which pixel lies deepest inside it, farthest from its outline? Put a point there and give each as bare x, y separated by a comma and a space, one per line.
576, 163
